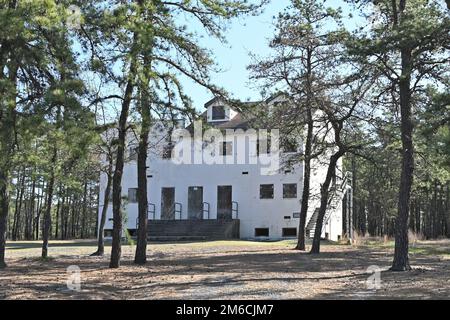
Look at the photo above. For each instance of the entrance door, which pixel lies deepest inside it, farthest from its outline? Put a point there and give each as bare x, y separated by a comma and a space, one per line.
224, 203
195, 203
167, 203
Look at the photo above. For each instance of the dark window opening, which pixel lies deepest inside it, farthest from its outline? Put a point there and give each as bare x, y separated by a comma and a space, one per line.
289, 232
261, 232
289, 145
132, 195
218, 113
227, 148
266, 191
107, 233
167, 151
245, 172
133, 153
132, 232
263, 146
289, 190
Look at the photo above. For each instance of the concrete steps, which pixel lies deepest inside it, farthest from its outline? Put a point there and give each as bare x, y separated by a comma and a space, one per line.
185, 230
176, 238
311, 226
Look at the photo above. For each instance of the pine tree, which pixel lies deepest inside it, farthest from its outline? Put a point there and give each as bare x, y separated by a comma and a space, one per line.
408, 43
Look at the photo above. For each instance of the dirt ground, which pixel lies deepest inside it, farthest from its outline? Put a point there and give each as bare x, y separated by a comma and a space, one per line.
226, 270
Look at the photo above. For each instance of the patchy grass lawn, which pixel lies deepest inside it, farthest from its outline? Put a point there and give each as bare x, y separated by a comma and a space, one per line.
226, 270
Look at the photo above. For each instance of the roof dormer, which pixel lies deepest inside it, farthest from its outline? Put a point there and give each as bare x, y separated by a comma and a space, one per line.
219, 111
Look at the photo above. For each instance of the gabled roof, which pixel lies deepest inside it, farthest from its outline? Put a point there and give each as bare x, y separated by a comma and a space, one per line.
213, 100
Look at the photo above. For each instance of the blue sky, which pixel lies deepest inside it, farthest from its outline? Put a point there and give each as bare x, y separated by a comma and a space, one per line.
245, 35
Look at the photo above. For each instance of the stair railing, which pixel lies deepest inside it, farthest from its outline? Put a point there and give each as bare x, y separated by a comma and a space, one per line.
152, 210
178, 208
346, 183
235, 209
207, 210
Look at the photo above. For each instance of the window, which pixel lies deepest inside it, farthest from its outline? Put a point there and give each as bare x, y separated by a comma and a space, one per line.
263, 146
289, 232
218, 113
227, 148
289, 145
266, 191
296, 215
107, 233
132, 195
133, 153
289, 190
167, 151
261, 232
132, 232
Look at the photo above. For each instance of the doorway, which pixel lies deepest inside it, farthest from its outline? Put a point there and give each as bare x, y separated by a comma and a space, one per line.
168, 204
195, 203
224, 203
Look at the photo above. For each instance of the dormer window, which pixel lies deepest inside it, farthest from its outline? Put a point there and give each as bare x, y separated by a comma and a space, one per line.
218, 113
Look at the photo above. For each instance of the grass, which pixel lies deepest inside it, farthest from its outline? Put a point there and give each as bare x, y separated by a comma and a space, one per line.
416, 247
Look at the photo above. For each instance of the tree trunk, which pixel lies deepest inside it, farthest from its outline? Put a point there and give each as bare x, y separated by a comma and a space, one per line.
29, 223
116, 249
7, 124
306, 183
401, 259
19, 200
324, 195
4, 208
48, 209
141, 246
58, 212
101, 242
83, 213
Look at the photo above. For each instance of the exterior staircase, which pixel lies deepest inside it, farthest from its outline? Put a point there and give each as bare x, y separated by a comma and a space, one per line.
192, 230
337, 192
311, 226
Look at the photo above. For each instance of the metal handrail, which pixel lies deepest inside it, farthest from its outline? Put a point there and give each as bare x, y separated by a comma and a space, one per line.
235, 209
179, 210
345, 185
152, 210
208, 208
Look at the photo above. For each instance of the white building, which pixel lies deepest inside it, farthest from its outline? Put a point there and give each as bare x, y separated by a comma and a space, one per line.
249, 194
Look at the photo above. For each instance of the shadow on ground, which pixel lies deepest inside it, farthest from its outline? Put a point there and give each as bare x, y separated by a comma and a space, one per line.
229, 272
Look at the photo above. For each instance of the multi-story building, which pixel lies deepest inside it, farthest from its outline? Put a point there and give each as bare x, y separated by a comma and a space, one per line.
202, 184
